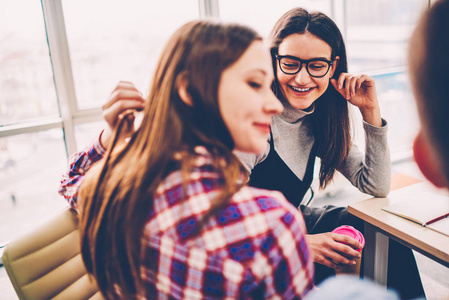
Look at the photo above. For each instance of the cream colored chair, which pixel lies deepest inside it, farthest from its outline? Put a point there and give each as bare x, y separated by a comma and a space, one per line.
46, 263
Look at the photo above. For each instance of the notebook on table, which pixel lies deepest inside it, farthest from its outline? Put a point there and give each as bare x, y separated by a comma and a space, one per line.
427, 209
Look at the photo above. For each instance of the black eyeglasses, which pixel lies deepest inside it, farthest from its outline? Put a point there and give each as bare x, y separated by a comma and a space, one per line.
291, 65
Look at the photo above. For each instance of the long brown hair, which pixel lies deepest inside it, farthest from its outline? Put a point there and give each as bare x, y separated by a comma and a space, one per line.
330, 121
117, 196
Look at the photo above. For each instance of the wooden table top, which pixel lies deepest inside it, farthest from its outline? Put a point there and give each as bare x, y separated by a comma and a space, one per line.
418, 237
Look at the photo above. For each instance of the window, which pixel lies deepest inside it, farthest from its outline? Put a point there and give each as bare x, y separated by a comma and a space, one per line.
116, 40
31, 165
377, 35
113, 41
377, 32
59, 62
262, 15
27, 91
31, 158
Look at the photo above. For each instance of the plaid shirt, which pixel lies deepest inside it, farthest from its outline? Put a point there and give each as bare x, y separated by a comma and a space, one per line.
254, 247
79, 164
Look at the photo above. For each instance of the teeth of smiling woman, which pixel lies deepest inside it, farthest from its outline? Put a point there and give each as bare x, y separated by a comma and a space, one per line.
300, 90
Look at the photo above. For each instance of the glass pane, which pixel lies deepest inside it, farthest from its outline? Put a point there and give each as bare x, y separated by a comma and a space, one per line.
399, 109
30, 170
88, 133
27, 89
378, 32
112, 40
263, 14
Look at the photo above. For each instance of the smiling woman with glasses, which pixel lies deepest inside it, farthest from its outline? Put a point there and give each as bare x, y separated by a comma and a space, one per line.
309, 60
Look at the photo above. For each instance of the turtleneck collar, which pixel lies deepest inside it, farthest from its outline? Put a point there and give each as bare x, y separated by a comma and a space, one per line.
293, 115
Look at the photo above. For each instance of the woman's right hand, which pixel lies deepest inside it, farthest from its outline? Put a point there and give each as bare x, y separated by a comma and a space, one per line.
124, 97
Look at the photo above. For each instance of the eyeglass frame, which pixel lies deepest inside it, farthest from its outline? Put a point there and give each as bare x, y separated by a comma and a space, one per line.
303, 61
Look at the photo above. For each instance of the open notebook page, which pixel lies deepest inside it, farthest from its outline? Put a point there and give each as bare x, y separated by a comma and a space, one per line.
421, 208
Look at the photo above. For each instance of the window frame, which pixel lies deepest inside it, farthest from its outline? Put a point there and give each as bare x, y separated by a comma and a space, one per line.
69, 114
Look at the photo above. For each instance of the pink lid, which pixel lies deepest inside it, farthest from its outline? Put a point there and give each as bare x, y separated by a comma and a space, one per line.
351, 232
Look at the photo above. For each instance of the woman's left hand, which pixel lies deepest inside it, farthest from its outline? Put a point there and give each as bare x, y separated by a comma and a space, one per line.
360, 90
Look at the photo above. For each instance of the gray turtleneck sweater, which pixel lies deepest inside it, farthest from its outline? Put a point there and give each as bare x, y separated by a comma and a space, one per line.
293, 140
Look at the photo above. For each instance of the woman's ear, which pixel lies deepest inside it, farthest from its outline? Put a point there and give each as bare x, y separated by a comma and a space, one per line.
182, 84
427, 161
334, 66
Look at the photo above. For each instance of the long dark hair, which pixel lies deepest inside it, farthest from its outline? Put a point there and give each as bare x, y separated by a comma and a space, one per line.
330, 121
117, 195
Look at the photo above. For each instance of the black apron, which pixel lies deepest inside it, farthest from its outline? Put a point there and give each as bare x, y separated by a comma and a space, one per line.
274, 174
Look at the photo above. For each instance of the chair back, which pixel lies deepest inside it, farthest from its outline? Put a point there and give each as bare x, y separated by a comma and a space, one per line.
46, 263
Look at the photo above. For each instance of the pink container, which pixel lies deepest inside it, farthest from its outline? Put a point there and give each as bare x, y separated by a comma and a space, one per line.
352, 232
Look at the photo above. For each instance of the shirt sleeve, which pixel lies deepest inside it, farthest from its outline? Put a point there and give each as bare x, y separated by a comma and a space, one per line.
370, 173
79, 164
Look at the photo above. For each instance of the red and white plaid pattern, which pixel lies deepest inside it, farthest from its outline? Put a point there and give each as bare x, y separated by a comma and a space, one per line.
79, 164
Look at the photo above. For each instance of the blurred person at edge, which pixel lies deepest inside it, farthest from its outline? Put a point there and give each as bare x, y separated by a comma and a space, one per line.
428, 68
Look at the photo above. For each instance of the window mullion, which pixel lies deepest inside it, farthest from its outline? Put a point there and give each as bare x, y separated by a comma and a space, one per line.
339, 15
88, 116
31, 126
208, 8
62, 69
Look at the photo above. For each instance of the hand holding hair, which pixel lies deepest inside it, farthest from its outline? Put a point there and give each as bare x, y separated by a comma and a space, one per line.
125, 98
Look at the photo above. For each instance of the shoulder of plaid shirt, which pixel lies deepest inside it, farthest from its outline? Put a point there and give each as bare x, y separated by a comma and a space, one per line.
254, 247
